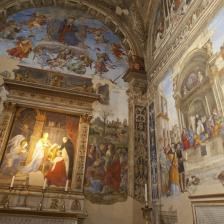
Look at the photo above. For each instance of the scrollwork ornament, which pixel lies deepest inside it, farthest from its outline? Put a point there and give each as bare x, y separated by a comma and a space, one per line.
75, 205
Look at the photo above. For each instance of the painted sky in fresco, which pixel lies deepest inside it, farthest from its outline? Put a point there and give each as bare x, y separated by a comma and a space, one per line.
64, 40
216, 26
167, 88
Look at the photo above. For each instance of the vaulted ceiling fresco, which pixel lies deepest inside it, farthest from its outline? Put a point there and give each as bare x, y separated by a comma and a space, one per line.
63, 40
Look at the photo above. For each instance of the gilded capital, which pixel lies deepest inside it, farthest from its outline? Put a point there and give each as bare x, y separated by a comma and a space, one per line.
86, 118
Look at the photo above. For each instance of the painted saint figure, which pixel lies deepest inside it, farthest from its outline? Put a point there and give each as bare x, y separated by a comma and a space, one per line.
173, 173
69, 147
57, 175
165, 167
67, 32
38, 155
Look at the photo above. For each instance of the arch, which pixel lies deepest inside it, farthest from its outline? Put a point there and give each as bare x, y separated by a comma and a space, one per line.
197, 110
154, 8
40, 30
193, 103
196, 60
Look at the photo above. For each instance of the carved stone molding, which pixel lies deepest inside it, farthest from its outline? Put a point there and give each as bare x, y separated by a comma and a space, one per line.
140, 152
138, 24
79, 169
6, 118
51, 98
137, 87
8, 219
86, 118
200, 12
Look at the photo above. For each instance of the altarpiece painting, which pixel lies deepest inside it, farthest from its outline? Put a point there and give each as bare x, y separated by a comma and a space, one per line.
41, 147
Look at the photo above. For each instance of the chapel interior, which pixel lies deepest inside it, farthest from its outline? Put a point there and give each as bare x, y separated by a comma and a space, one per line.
111, 111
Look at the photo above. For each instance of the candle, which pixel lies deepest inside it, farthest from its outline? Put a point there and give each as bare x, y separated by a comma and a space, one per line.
146, 193
45, 184
66, 185
12, 182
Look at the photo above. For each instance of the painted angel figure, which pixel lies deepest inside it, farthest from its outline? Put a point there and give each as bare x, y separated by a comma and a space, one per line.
22, 49
16, 154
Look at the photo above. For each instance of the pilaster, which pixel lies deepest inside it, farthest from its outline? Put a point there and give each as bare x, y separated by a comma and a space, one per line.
138, 150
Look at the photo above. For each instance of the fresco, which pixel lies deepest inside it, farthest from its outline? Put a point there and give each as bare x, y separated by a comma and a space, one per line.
70, 49
107, 159
62, 40
42, 145
191, 116
171, 159
140, 174
153, 154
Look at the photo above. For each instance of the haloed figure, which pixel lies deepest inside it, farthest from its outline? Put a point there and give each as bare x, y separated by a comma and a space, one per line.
68, 145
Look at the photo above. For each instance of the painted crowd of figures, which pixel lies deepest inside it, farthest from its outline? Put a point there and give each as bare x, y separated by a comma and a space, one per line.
171, 157
203, 128
55, 162
106, 169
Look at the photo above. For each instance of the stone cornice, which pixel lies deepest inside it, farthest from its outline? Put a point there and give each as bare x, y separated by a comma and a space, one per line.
53, 91
52, 99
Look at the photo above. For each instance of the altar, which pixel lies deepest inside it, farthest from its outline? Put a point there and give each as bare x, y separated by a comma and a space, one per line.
21, 216
43, 146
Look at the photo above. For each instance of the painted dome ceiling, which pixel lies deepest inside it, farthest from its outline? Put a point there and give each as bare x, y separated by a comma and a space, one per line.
62, 40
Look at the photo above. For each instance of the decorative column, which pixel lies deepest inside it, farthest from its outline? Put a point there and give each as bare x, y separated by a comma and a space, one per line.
154, 126
79, 168
6, 121
153, 153
138, 150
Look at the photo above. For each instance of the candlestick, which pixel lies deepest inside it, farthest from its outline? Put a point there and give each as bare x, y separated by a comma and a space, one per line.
42, 200
146, 194
12, 182
6, 205
147, 210
45, 184
66, 185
